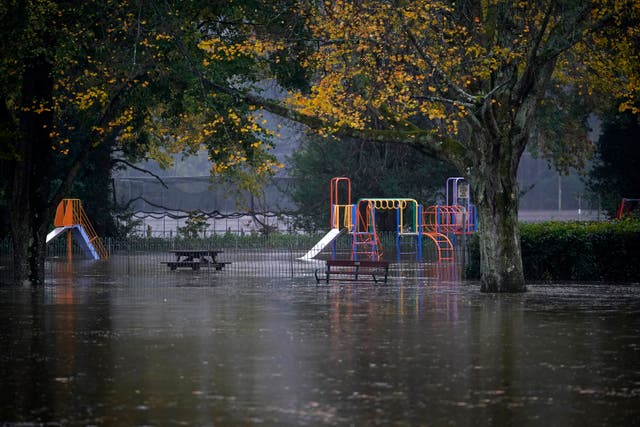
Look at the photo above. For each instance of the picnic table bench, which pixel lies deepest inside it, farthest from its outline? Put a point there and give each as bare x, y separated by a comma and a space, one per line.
195, 259
354, 271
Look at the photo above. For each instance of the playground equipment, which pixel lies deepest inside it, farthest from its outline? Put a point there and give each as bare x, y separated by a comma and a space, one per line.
627, 206
71, 217
365, 241
440, 224
459, 215
337, 211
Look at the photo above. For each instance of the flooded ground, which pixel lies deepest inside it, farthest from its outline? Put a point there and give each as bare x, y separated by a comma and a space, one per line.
100, 346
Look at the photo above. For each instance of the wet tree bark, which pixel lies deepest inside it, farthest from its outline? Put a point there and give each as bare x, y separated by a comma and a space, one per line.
30, 211
500, 253
498, 134
493, 173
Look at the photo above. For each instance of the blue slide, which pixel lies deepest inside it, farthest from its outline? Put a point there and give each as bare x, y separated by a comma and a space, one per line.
81, 237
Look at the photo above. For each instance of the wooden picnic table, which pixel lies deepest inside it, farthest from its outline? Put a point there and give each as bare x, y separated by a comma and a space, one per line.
195, 258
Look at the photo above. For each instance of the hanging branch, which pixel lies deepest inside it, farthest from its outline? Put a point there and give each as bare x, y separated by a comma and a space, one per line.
132, 166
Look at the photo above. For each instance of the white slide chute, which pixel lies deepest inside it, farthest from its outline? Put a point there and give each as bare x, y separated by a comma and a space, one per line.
323, 243
81, 237
55, 233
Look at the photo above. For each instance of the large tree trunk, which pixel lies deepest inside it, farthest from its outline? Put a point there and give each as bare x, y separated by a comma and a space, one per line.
496, 187
500, 253
30, 211
29, 245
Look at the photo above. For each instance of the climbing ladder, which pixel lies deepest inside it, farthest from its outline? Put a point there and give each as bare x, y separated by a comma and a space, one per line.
365, 244
443, 245
365, 241
438, 220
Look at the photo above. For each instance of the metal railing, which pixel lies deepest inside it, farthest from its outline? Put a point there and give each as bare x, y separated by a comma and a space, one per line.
70, 213
261, 256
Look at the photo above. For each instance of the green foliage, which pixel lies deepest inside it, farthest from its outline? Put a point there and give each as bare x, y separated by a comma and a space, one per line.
125, 225
375, 170
297, 242
194, 226
616, 172
584, 251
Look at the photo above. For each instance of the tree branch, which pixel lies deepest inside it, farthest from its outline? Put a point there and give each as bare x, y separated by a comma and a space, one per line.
444, 100
427, 141
88, 144
528, 78
468, 98
132, 166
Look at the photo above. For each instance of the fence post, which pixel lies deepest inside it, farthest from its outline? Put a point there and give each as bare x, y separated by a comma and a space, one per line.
291, 257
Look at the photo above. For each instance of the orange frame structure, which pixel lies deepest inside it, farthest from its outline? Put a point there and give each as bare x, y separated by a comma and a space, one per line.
448, 219
70, 213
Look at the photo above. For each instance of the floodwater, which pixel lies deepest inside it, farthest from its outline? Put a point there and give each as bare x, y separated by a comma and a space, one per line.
191, 348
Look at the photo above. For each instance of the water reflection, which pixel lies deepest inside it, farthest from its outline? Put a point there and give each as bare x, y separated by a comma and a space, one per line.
98, 347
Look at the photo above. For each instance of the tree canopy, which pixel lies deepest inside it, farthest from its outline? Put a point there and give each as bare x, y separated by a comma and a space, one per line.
128, 75
430, 72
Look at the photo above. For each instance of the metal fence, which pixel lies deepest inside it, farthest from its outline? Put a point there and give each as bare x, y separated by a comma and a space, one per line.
276, 255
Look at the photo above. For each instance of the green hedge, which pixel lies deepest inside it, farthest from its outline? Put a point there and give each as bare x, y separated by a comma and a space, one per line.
585, 251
